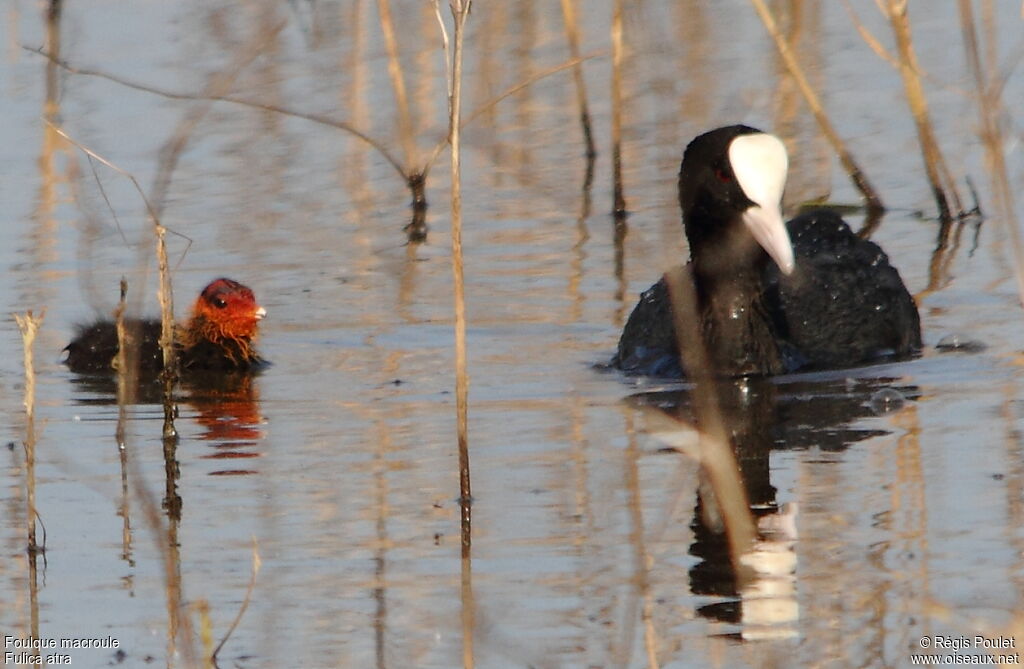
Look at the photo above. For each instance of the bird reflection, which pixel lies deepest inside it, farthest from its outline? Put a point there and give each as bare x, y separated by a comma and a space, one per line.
230, 414
226, 406
763, 415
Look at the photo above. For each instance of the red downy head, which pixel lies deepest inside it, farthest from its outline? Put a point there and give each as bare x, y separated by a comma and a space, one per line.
226, 310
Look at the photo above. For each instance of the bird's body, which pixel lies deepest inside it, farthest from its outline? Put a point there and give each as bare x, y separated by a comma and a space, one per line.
218, 337
772, 297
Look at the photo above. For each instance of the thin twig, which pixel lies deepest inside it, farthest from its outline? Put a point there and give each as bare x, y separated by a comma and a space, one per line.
256, 563
103, 192
321, 119
92, 154
233, 99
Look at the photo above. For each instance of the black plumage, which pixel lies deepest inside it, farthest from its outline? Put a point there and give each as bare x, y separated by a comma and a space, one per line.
218, 337
94, 346
94, 349
772, 298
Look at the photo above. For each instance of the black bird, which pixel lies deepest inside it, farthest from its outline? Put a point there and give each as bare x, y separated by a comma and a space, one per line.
219, 337
772, 297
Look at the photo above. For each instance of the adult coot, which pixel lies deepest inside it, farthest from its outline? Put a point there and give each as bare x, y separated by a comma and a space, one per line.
772, 297
218, 336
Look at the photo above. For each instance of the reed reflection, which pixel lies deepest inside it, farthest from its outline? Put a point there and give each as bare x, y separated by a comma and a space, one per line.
232, 420
226, 407
763, 416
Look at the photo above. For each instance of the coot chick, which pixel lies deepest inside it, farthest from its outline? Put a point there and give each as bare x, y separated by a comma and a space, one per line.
217, 338
772, 297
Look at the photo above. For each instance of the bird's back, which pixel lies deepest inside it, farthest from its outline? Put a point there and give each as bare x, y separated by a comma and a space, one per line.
845, 304
94, 346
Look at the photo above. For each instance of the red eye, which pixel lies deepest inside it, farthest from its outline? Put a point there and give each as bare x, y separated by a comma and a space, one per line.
722, 175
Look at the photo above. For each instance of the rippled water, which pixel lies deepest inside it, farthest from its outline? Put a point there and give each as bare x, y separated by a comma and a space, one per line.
892, 497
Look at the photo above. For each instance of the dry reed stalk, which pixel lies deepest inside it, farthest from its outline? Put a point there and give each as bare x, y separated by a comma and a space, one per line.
460, 12
165, 296
126, 365
935, 166
177, 624
811, 178
453, 68
468, 604
988, 93
29, 324
860, 180
126, 368
572, 35
716, 455
619, 204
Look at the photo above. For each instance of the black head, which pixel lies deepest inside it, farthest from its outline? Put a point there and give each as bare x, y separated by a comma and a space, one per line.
730, 188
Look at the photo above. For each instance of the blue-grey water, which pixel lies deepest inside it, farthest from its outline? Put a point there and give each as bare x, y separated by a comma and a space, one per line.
338, 464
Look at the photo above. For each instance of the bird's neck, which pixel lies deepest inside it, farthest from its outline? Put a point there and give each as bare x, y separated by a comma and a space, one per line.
202, 332
736, 322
